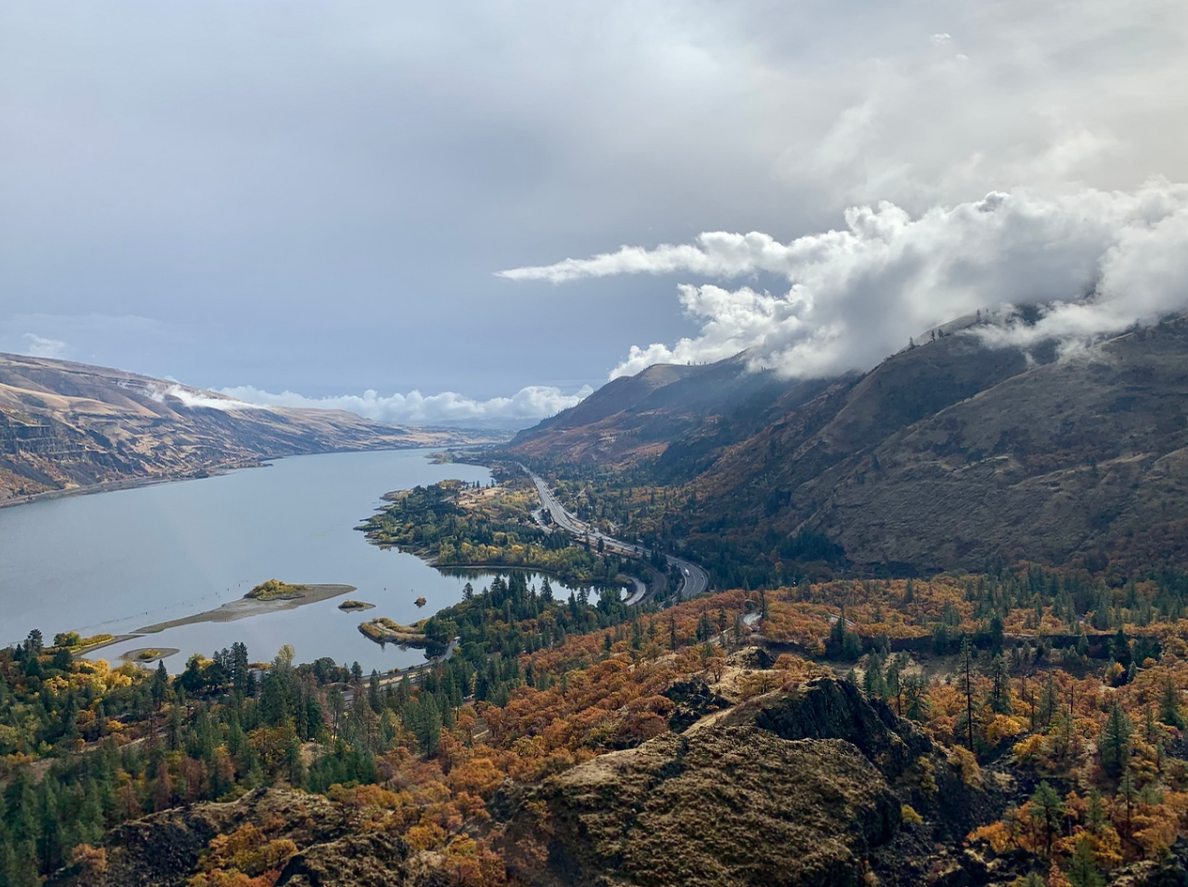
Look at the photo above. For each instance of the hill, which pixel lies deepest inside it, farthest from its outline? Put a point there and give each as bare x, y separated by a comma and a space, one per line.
948, 455
637, 418
68, 426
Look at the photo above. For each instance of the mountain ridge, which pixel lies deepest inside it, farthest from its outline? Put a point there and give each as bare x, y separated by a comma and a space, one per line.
948, 455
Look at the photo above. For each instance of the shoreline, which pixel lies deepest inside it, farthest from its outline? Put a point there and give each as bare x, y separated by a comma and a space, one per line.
200, 473
133, 483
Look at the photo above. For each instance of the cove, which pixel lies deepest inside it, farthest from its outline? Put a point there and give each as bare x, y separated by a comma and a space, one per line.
116, 561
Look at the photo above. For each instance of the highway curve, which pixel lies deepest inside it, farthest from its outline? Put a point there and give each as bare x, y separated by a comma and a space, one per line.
696, 580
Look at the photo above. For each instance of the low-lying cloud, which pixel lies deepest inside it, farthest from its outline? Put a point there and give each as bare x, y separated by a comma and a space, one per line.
41, 346
195, 399
447, 408
1096, 261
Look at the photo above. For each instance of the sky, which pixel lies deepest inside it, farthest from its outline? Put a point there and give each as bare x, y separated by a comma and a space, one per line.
480, 212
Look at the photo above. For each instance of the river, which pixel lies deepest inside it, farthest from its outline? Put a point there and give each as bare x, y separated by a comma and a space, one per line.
117, 561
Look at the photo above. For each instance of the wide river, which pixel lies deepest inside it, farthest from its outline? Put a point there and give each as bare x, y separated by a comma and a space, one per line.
114, 562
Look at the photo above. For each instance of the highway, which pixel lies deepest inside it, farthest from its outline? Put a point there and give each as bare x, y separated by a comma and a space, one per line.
696, 580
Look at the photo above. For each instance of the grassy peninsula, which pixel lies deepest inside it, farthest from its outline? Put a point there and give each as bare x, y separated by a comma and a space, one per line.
455, 524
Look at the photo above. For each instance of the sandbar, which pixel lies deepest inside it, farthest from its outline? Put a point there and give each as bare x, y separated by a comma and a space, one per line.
245, 607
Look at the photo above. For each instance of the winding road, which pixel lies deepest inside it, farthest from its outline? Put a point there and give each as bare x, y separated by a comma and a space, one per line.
696, 580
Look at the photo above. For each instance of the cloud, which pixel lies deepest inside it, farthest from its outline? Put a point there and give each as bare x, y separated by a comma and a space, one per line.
447, 408
40, 346
1098, 260
193, 398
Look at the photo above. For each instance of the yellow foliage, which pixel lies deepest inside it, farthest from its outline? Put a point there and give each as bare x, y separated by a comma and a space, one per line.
1002, 728
962, 760
1029, 750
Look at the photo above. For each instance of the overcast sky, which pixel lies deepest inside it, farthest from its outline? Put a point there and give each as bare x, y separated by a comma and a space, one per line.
363, 200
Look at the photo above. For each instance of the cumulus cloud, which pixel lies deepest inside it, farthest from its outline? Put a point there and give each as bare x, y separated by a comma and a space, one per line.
447, 408
1098, 261
40, 346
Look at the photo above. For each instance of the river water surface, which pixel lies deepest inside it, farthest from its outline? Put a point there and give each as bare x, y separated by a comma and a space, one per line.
114, 562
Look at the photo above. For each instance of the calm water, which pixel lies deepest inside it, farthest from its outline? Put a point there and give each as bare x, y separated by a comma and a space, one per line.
114, 562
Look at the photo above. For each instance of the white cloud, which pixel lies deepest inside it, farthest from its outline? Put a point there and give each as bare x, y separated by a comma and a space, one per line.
40, 346
194, 398
1102, 259
528, 404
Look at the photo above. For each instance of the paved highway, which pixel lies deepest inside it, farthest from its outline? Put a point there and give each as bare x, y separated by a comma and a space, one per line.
696, 580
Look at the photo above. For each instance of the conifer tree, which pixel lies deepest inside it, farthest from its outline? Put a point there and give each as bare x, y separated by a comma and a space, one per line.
1115, 742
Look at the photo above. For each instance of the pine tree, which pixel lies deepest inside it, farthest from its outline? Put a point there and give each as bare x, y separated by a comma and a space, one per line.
1115, 742
1082, 871
1170, 711
967, 688
1049, 809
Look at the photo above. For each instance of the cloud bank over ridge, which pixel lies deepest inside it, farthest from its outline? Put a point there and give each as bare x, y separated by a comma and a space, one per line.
1097, 260
526, 406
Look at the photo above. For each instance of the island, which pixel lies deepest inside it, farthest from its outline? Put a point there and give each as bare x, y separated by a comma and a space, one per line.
275, 590
349, 605
266, 597
383, 630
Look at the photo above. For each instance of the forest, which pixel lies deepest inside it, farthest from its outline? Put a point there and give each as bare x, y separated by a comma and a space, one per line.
1091, 727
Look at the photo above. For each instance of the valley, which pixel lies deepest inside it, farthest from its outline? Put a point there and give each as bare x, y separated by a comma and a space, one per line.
923, 625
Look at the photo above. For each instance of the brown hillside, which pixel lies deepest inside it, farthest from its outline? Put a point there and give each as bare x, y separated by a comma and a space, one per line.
66, 426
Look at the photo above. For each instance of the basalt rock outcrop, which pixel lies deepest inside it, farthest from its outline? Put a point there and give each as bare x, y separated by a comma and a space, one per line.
800, 787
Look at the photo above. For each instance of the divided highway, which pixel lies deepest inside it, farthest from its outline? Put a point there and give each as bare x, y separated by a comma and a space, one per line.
696, 580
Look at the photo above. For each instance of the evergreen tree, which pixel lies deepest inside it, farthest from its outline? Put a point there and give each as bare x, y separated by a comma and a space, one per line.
1082, 871
1170, 711
1114, 745
1049, 810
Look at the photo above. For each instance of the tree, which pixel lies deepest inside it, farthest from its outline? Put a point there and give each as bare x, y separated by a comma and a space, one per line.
1082, 871
967, 688
423, 717
160, 687
1169, 706
915, 691
1115, 742
1000, 686
1049, 810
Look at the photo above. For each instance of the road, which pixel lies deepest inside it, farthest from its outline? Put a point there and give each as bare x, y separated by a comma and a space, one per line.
696, 580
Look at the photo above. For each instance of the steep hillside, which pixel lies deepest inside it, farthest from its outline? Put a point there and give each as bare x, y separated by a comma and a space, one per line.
640, 417
66, 426
947, 455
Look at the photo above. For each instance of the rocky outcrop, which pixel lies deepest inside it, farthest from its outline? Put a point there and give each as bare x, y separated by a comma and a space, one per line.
165, 849
796, 787
373, 859
717, 806
830, 709
693, 700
